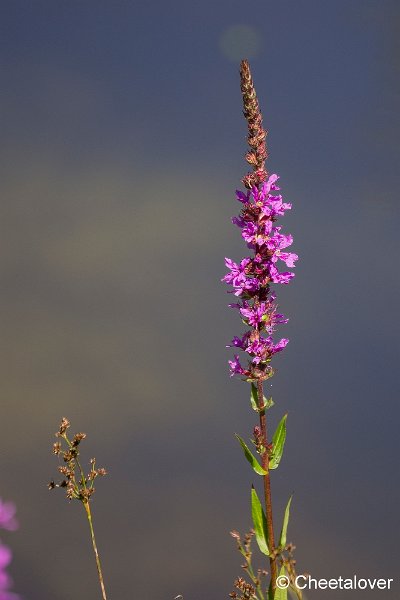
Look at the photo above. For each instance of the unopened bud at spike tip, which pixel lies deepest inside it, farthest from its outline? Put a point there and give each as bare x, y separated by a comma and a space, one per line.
256, 133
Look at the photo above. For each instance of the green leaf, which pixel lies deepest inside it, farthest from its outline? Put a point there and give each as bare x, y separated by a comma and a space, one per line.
268, 402
253, 397
278, 443
259, 522
282, 541
280, 593
252, 459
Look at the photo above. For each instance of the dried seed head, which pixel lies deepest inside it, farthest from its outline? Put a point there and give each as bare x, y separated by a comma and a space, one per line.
239, 582
86, 493
76, 485
63, 426
78, 437
251, 158
69, 455
290, 547
70, 490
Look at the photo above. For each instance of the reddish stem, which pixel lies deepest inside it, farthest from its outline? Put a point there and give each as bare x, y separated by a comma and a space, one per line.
267, 487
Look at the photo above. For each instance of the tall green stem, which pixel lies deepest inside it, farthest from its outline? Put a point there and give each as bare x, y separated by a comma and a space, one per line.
267, 488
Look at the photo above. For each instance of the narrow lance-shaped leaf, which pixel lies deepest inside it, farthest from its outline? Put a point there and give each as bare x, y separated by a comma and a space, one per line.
281, 593
282, 541
278, 443
267, 402
253, 397
250, 457
259, 522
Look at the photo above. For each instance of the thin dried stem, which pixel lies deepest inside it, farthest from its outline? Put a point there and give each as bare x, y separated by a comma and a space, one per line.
96, 553
77, 485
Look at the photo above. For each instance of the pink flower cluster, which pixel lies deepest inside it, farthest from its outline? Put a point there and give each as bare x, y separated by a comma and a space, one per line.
251, 277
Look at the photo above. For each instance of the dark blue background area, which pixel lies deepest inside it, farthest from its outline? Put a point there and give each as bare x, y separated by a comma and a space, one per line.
122, 144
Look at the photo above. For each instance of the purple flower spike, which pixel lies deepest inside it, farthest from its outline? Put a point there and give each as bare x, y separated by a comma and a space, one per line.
252, 277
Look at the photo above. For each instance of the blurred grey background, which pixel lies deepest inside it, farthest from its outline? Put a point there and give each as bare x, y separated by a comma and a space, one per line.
122, 145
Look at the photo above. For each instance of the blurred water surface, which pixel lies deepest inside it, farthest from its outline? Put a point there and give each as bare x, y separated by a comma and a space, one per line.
122, 144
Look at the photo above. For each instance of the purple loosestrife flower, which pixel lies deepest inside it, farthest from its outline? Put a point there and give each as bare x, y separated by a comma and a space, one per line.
252, 276
237, 277
252, 281
236, 367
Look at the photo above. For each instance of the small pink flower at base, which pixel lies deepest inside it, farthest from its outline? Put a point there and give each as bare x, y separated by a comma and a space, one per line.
7, 516
5, 579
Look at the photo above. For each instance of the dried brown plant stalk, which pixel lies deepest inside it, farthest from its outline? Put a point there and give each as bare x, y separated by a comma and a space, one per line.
77, 485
